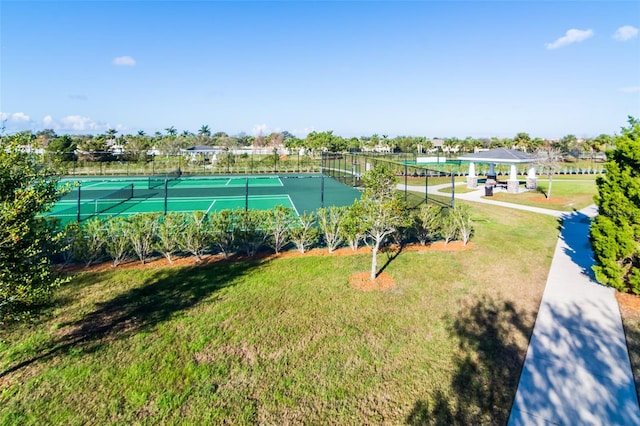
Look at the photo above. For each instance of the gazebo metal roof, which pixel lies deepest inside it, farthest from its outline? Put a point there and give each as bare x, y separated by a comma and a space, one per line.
500, 155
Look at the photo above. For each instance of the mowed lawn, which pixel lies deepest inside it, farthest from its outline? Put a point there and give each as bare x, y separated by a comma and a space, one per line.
567, 193
289, 340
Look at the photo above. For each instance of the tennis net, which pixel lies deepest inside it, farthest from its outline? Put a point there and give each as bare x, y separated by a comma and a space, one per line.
94, 207
159, 180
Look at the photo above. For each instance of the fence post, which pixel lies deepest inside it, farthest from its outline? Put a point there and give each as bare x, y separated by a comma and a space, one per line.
79, 203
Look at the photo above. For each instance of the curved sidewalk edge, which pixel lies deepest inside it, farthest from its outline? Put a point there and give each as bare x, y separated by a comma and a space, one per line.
577, 368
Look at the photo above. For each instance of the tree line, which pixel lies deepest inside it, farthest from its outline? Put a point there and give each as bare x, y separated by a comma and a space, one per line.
132, 147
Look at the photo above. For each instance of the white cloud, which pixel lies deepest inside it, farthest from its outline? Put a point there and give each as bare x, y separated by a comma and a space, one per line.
124, 61
259, 129
16, 117
48, 121
78, 123
571, 36
20, 117
630, 89
625, 33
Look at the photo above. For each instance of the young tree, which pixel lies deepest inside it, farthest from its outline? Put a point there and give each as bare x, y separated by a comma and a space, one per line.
462, 218
221, 229
251, 231
384, 211
352, 228
304, 234
195, 237
89, 245
428, 223
27, 241
279, 223
117, 243
330, 219
548, 163
142, 231
169, 226
449, 229
615, 232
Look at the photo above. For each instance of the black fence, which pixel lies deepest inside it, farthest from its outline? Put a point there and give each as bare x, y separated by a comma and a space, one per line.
416, 180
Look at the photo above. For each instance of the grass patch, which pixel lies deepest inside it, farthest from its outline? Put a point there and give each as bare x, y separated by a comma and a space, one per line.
288, 340
566, 194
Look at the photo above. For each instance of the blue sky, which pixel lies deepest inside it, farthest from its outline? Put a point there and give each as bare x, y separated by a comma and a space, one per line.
422, 68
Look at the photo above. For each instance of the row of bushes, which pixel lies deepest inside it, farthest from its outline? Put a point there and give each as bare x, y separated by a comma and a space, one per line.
143, 236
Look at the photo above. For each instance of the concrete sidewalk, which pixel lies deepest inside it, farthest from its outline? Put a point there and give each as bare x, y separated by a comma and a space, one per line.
577, 368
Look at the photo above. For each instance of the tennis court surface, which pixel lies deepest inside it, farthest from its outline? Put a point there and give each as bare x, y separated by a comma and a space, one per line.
105, 197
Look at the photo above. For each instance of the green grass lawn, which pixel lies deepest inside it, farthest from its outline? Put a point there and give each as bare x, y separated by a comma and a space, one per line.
288, 340
567, 193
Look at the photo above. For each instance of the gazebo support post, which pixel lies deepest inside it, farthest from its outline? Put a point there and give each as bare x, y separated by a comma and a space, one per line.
513, 183
472, 178
532, 179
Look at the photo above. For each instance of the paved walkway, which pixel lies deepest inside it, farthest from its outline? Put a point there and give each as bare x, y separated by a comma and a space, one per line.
577, 368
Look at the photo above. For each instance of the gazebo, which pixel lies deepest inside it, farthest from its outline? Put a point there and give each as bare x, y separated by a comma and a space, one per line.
512, 157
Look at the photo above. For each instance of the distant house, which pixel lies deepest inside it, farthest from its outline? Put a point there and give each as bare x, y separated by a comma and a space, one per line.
201, 151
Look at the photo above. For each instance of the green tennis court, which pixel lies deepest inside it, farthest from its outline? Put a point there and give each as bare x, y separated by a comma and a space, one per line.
105, 197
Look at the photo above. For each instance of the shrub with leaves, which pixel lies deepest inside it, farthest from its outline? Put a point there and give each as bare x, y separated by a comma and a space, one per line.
330, 222
195, 237
221, 229
27, 241
352, 227
89, 246
142, 231
279, 223
462, 217
615, 232
251, 231
428, 222
169, 227
304, 234
449, 229
117, 242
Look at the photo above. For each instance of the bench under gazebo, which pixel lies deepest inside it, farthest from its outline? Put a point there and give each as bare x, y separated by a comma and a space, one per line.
512, 157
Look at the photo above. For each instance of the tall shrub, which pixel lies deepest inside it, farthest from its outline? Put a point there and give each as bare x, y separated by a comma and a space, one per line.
252, 230
304, 234
142, 231
221, 229
117, 242
428, 222
27, 241
615, 232
330, 221
279, 223
195, 236
169, 227
352, 227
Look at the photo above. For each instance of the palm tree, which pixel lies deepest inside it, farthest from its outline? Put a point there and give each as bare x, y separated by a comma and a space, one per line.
171, 131
204, 131
141, 133
111, 134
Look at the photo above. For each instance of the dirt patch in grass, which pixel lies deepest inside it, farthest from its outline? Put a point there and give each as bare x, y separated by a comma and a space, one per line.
552, 200
362, 281
630, 310
629, 305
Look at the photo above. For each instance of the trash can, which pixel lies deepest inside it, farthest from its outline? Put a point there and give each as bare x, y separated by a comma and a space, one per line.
488, 187
488, 190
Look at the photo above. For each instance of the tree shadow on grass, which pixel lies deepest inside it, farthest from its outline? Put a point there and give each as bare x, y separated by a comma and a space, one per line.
488, 366
167, 293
